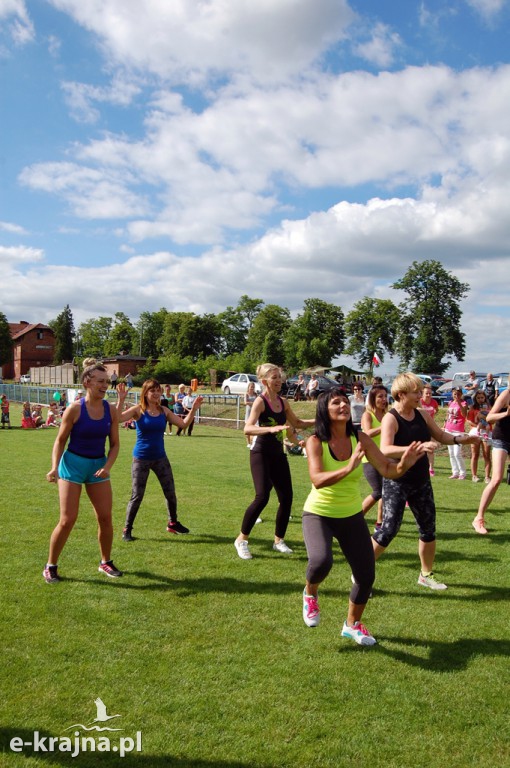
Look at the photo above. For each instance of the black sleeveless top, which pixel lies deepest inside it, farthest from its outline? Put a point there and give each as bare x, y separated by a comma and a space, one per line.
268, 418
501, 429
407, 432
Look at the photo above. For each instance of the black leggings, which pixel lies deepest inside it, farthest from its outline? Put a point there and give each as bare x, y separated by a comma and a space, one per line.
140, 470
269, 471
374, 479
354, 538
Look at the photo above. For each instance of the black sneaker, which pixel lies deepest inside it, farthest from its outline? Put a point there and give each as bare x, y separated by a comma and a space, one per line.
126, 535
177, 527
110, 569
50, 574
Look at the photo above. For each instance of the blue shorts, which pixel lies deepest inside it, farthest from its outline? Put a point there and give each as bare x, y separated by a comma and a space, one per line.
79, 469
501, 445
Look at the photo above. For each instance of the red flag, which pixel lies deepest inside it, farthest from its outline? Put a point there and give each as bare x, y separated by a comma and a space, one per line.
376, 359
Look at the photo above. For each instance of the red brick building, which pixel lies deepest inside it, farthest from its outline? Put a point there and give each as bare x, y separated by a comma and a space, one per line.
33, 345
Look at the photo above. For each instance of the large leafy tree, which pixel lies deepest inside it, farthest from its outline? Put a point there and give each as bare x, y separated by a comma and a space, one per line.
122, 338
63, 328
6, 344
188, 335
430, 317
316, 336
149, 329
93, 335
236, 323
371, 327
266, 335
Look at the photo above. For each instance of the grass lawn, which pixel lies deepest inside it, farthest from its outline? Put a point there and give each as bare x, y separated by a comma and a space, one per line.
208, 656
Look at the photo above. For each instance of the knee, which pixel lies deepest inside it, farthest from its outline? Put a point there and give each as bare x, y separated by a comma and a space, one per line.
383, 538
318, 569
427, 538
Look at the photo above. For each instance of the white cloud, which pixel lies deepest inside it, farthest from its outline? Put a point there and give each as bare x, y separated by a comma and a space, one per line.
15, 229
19, 26
80, 97
380, 49
488, 9
194, 40
19, 254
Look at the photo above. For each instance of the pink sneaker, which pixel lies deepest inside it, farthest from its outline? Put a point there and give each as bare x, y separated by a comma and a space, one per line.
479, 525
453, 477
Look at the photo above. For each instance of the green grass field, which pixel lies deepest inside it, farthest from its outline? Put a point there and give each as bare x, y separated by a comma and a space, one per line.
207, 655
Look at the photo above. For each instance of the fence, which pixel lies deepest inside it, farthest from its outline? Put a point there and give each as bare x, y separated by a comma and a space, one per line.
221, 409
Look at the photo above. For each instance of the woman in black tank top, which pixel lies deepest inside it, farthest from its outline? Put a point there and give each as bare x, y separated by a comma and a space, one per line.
270, 416
403, 424
499, 416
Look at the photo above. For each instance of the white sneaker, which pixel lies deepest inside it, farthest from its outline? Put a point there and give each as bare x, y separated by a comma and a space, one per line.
258, 520
311, 612
243, 550
475, 479
282, 547
430, 581
359, 633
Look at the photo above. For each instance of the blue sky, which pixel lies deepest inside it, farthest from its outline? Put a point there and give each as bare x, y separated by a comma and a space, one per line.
183, 153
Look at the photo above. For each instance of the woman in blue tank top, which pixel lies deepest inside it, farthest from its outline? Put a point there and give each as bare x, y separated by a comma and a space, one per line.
151, 419
88, 423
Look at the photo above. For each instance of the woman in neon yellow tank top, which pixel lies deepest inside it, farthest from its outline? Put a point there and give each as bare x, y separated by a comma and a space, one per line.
333, 507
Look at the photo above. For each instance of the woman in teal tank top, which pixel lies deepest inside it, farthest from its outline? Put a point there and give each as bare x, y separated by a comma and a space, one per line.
333, 508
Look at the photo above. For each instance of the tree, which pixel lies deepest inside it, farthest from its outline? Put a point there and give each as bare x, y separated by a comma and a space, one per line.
6, 344
93, 335
122, 337
188, 335
63, 328
266, 336
371, 326
150, 329
315, 337
430, 317
236, 322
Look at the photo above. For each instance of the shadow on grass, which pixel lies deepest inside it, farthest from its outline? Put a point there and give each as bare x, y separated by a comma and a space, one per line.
442, 656
92, 760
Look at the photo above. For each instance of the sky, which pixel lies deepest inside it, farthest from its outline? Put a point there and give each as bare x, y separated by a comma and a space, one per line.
182, 153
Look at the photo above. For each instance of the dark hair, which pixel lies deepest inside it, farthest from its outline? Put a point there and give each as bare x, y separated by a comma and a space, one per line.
322, 423
372, 395
476, 405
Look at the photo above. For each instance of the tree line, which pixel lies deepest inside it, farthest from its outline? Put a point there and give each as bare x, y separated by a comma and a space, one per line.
423, 330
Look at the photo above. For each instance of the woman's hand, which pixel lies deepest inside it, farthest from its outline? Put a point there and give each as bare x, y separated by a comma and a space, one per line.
52, 476
121, 392
412, 453
357, 455
103, 473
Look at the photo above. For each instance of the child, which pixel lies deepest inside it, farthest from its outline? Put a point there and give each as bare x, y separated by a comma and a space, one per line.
27, 421
477, 420
4, 405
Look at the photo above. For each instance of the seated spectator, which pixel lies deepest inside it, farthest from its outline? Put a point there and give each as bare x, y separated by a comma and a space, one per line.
27, 421
37, 417
53, 417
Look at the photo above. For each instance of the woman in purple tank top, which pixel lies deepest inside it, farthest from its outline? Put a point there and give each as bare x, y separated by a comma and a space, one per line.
87, 423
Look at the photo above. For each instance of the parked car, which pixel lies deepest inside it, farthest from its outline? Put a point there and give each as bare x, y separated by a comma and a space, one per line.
25, 379
325, 384
238, 384
444, 392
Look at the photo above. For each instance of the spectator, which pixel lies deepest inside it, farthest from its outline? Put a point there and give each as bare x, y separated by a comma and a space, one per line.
312, 389
477, 421
299, 392
27, 421
455, 425
129, 380
113, 380
4, 407
430, 405
357, 402
491, 388
187, 406
472, 385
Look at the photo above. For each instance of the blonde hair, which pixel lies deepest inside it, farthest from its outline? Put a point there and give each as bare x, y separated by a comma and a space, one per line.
90, 365
264, 370
404, 383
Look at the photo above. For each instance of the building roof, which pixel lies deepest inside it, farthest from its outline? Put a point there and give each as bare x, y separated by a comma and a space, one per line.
19, 329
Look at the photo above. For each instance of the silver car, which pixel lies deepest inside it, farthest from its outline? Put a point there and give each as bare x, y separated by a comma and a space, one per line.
238, 384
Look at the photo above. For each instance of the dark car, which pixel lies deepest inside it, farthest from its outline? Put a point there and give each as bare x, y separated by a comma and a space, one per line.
325, 384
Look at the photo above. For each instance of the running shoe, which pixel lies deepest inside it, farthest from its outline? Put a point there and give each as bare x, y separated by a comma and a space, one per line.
487, 480
359, 633
377, 527
453, 477
282, 547
479, 526
462, 477
475, 479
177, 527
50, 574
127, 535
243, 550
110, 569
430, 581
258, 520
311, 612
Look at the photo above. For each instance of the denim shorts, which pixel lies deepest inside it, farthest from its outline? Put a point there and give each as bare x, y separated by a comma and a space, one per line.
501, 445
79, 469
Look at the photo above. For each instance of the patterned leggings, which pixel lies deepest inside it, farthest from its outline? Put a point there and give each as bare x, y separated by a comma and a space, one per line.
140, 470
421, 502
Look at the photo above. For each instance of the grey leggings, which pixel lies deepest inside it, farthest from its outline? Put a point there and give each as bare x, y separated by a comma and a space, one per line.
421, 502
140, 470
354, 538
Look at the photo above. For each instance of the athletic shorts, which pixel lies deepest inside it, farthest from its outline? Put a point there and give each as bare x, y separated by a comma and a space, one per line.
79, 469
501, 445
